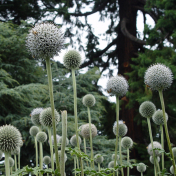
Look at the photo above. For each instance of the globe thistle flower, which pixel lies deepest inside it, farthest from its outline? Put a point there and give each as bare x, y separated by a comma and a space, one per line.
80, 128
88, 100
127, 142
15, 151
73, 141
98, 158
45, 40
174, 151
46, 117
111, 164
158, 77
113, 157
1, 154
41, 137
10, 138
147, 109
172, 169
158, 118
156, 145
117, 85
59, 153
72, 59
35, 116
34, 130
46, 160
123, 129
152, 161
141, 167
57, 139
60, 141
86, 133
11, 162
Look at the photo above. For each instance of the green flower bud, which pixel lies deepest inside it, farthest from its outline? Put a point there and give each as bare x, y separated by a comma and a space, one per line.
41, 137
113, 157
98, 158
60, 141
122, 129
127, 142
46, 160
141, 167
111, 164
73, 141
86, 133
11, 162
34, 130
89, 100
152, 161
158, 118
35, 116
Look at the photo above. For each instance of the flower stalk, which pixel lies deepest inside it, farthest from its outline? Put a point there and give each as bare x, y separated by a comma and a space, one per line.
7, 167
51, 148
162, 144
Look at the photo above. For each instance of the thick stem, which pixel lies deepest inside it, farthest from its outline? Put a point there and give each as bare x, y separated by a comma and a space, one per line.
99, 167
7, 168
41, 156
36, 152
151, 140
19, 160
50, 84
120, 153
166, 130
91, 145
51, 148
75, 164
128, 168
162, 143
47, 168
117, 131
64, 136
85, 150
15, 162
11, 170
141, 173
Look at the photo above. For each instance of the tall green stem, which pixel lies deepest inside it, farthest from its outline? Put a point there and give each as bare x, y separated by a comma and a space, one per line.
120, 153
117, 131
7, 168
19, 160
47, 168
151, 140
128, 168
76, 117
99, 167
15, 162
36, 152
51, 148
162, 143
50, 84
166, 129
41, 156
85, 150
64, 136
141, 173
11, 170
90, 131
75, 164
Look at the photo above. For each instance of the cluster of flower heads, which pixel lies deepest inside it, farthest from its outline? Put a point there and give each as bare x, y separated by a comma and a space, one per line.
45, 40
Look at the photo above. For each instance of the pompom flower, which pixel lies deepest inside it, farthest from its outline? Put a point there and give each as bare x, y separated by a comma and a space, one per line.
174, 151
156, 145
34, 130
86, 133
111, 164
72, 59
35, 116
45, 40
117, 85
46, 117
147, 109
113, 157
122, 129
141, 167
59, 154
41, 137
158, 118
152, 160
98, 158
172, 169
158, 77
127, 142
10, 138
73, 140
88, 100
46, 160
60, 141
16, 151
11, 162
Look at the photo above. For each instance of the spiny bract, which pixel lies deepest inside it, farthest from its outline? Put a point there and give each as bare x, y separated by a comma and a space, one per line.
88, 100
98, 158
46, 160
73, 140
141, 167
156, 146
34, 130
85, 132
35, 116
41, 137
158, 118
127, 142
123, 129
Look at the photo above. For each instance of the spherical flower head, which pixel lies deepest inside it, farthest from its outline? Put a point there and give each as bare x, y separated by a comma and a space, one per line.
86, 133
73, 141
127, 142
10, 138
35, 116
172, 169
46, 117
80, 128
123, 129
98, 158
113, 157
158, 118
57, 139
11, 162
152, 160
1, 153
59, 154
158, 77
174, 151
41, 137
72, 59
34, 130
147, 109
111, 164
141, 167
156, 145
45, 40
16, 151
46, 160
60, 141
88, 100
117, 85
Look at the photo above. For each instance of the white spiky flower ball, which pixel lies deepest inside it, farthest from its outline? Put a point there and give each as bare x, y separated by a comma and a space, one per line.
156, 146
45, 40
174, 151
117, 85
35, 116
11, 162
72, 59
34, 130
111, 164
57, 139
60, 141
46, 117
80, 128
141, 167
16, 151
1, 154
41, 137
46, 160
73, 141
152, 160
147, 109
172, 169
59, 154
86, 133
123, 129
158, 118
113, 157
158, 77
88, 100
98, 158
127, 142
10, 138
